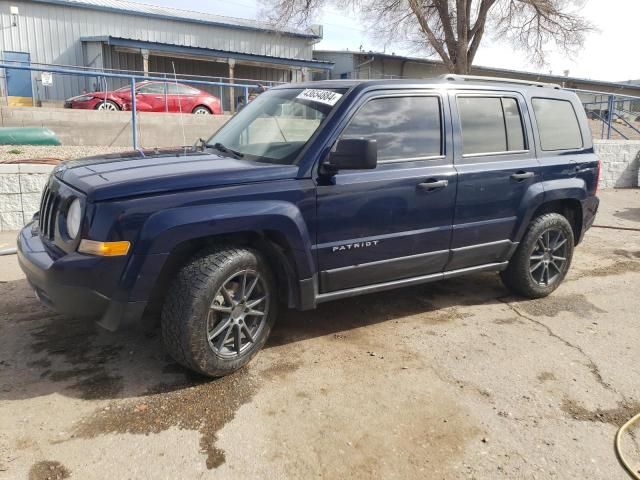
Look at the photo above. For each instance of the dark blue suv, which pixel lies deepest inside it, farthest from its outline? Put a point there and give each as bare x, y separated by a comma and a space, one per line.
316, 192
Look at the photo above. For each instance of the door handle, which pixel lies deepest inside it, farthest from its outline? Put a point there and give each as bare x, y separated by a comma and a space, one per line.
522, 175
433, 184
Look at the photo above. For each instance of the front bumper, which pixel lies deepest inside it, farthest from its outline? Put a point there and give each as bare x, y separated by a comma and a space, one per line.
76, 285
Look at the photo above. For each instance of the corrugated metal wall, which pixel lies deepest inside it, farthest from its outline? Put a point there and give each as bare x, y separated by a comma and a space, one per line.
51, 34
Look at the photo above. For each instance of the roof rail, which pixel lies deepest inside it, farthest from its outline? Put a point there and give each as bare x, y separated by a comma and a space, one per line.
470, 78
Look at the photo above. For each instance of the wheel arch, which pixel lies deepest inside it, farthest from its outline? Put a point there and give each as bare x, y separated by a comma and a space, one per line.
570, 208
202, 105
272, 245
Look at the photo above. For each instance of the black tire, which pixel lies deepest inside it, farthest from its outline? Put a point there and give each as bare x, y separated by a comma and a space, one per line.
520, 278
188, 317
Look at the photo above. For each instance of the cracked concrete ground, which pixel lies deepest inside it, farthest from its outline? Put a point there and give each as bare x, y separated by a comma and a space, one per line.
443, 381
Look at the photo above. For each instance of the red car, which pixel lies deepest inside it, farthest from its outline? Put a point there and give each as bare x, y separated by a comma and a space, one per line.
151, 97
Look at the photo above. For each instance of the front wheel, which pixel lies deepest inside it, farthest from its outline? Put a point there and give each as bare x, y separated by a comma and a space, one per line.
219, 310
542, 259
109, 106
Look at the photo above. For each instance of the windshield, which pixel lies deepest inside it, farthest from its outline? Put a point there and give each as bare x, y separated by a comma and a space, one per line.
276, 126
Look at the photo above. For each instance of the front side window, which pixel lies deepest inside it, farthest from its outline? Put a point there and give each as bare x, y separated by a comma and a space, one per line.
276, 126
490, 125
404, 127
152, 88
179, 89
557, 124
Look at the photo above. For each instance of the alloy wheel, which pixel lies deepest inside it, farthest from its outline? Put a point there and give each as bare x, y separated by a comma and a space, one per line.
108, 106
547, 262
237, 314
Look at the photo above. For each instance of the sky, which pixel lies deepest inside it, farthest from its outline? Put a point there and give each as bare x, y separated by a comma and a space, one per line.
611, 53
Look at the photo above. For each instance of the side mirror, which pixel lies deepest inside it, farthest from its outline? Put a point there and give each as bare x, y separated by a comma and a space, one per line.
353, 154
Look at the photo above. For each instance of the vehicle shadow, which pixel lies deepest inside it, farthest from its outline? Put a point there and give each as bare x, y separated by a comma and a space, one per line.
43, 353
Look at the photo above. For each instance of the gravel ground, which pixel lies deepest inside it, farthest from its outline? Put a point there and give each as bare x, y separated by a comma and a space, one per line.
28, 152
451, 380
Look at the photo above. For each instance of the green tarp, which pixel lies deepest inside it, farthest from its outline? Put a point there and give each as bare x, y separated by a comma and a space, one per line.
28, 136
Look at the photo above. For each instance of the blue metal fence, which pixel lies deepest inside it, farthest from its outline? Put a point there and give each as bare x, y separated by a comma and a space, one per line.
614, 113
131, 78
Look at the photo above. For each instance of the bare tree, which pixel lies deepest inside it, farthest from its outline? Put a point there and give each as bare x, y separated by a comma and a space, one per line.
454, 29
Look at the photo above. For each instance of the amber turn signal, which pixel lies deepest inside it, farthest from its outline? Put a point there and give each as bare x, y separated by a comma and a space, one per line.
104, 249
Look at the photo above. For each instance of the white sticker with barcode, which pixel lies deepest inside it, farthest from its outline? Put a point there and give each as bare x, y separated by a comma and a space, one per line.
321, 96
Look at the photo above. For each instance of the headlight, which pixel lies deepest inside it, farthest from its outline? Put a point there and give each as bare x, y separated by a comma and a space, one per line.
83, 98
74, 218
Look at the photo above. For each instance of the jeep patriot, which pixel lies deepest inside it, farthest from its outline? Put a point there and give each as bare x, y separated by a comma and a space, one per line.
315, 192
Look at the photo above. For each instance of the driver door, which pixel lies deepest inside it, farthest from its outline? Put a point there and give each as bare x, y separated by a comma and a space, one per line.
393, 222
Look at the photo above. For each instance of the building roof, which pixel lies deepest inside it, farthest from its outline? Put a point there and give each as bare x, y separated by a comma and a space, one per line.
208, 52
176, 14
477, 68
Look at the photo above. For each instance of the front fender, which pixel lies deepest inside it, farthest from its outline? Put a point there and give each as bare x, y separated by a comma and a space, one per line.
166, 229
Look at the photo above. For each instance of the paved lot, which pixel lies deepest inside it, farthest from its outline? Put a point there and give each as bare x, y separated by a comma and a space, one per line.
450, 380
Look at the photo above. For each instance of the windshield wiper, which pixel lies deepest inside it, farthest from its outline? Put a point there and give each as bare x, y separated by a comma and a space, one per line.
221, 148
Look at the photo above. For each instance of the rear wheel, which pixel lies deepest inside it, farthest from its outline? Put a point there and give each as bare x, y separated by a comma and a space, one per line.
219, 310
542, 259
108, 105
201, 111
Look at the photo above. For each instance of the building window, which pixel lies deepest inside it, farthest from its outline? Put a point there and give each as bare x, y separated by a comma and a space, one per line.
405, 128
491, 125
557, 124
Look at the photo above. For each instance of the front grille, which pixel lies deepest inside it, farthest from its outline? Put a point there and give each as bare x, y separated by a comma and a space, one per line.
48, 212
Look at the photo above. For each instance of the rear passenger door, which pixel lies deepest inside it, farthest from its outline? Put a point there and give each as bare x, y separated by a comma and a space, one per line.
393, 222
182, 98
497, 167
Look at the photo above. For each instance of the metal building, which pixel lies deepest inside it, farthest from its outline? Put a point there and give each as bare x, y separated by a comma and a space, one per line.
377, 65
125, 35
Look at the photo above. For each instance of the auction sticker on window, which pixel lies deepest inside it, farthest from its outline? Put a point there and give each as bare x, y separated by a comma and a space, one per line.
321, 96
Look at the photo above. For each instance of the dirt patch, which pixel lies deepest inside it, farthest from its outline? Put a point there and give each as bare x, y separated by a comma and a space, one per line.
279, 370
555, 304
507, 321
48, 470
615, 416
628, 253
546, 377
619, 267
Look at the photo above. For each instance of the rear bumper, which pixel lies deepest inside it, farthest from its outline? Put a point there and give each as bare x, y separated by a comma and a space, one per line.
73, 284
589, 210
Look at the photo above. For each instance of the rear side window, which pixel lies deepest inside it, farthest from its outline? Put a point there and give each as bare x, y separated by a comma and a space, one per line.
557, 124
490, 125
405, 128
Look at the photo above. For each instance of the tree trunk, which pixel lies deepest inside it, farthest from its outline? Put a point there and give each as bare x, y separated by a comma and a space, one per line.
461, 67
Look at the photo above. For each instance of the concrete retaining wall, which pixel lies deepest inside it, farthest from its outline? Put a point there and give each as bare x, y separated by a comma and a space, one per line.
21, 185
619, 163
20, 189
99, 128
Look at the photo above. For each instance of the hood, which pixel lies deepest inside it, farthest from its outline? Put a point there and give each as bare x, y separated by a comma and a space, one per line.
129, 174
